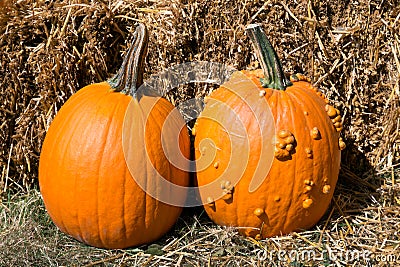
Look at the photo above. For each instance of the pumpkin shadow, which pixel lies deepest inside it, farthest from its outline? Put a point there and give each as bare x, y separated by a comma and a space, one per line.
358, 184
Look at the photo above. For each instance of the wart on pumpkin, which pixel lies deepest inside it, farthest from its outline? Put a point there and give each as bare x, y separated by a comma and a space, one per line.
309, 152
326, 189
216, 165
307, 203
315, 133
258, 212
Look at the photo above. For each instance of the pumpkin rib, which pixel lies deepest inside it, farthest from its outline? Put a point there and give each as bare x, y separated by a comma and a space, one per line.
278, 106
273, 105
105, 139
313, 100
183, 145
313, 110
321, 116
306, 121
212, 132
229, 97
329, 143
100, 167
255, 155
103, 94
162, 110
67, 144
285, 99
150, 165
76, 217
124, 202
73, 134
299, 182
296, 180
122, 188
144, 173
58, 135
97, 208
126, 212
270, 96
150, 168
326, 126
124, 185
241, 209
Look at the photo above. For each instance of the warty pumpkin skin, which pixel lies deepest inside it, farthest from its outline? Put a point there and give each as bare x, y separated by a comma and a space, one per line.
304, 149
84, 179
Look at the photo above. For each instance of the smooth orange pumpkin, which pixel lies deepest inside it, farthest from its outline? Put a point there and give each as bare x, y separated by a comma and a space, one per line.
84, 178
297, 130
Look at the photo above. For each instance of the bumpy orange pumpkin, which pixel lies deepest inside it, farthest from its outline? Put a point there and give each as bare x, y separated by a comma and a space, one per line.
288, 121
85, 180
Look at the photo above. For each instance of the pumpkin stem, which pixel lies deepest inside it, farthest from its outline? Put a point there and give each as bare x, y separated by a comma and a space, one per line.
270, 63
130, 75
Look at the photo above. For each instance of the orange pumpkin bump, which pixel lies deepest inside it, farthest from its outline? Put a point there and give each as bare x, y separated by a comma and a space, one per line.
84, 178
294, 192
307, 188
309, 152
284, 133
342, 144
315, 134
331, 111
210, 201
227, 195
289, 147
258, 212
326, 189
284, 144
307, 203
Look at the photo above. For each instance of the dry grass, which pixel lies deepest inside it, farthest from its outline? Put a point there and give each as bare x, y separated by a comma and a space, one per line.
360, 228
351, 49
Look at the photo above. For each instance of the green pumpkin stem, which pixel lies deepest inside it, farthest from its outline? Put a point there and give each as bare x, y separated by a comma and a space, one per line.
130, 75
270, 63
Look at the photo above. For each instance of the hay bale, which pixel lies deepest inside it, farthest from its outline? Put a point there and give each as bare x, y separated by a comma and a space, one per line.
50, 49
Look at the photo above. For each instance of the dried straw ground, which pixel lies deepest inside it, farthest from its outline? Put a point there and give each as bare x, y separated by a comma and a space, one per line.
351, 49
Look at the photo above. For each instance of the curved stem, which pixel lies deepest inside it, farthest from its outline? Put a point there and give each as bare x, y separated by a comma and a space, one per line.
270, 63
130, 75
